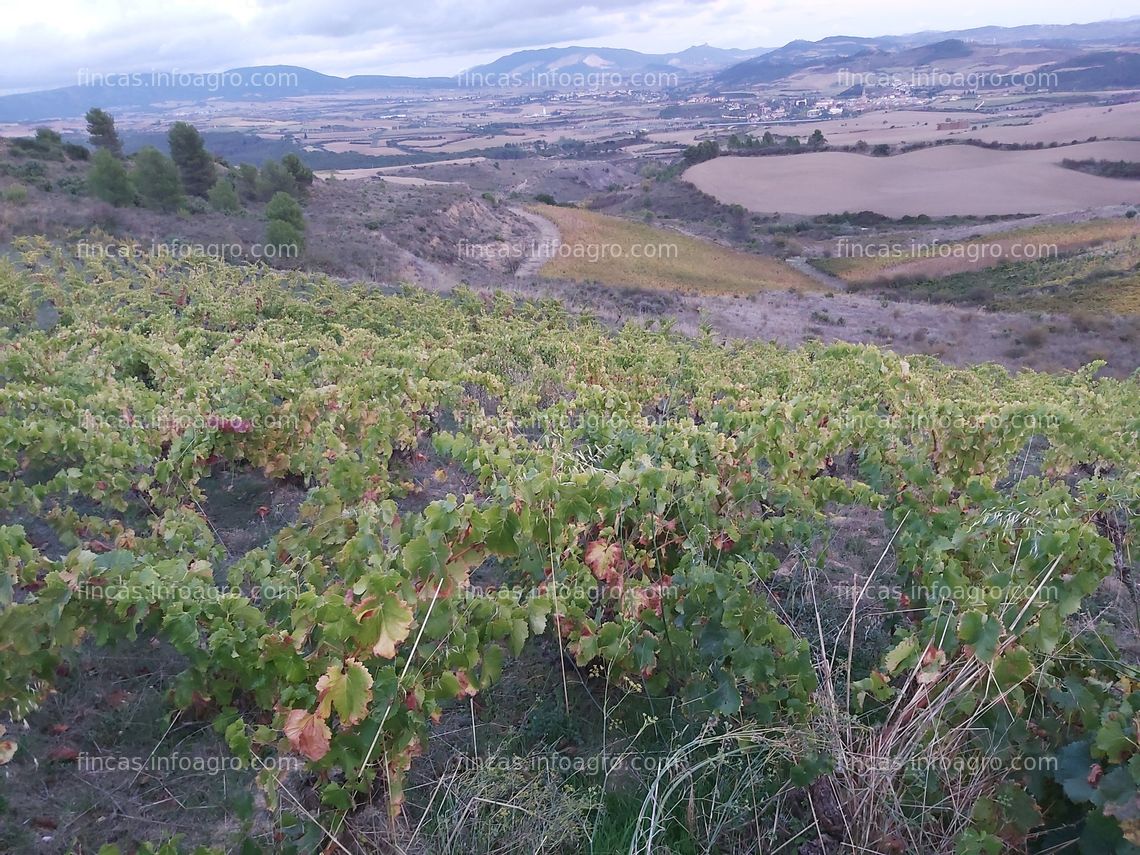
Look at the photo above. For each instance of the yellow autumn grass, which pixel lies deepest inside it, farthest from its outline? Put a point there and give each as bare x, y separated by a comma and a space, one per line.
1117, 295
862, 262
601, 248
1124, 300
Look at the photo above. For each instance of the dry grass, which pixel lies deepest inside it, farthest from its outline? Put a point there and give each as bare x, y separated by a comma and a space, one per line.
612, 251
961, 256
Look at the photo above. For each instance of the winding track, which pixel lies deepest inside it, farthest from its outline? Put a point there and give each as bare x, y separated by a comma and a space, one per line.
542, 249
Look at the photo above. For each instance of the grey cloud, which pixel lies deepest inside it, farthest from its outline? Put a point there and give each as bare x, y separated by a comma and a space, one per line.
443, 36
295, 31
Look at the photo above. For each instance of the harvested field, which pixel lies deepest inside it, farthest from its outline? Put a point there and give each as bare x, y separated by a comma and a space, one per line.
941, 181
911, 126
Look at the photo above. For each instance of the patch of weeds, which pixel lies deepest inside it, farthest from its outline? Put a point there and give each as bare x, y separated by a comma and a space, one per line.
1035, 337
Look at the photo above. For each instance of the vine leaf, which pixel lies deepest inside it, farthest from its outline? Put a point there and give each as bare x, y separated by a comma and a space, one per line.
1074, 763
1122, 802
7, 748
980, 631
899, 654
384, 624
308, 733
347, 689
604, 560
726, 699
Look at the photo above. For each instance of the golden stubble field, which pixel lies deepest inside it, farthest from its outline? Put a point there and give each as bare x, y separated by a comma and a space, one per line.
944, 181
613, 251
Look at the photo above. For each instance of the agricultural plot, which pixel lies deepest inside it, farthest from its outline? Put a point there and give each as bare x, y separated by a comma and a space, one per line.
1062, 125
600, 248
942, 181
1084, 269
675, 594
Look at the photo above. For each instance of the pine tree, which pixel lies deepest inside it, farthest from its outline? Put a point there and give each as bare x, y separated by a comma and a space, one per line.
156, 180
101, 132
275, 178
247, 182
195, 166
301, 173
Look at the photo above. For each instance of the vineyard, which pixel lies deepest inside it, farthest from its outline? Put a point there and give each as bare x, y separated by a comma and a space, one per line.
491, 485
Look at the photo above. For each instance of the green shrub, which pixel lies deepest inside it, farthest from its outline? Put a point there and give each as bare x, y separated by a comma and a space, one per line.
285, 231
274, 178
302, 175
17, 194
286, 240
108, 179
73, 185
284, 207
224, 198
195, 205
76, 152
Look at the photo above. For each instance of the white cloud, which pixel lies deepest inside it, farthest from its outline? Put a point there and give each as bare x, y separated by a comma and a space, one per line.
47, 42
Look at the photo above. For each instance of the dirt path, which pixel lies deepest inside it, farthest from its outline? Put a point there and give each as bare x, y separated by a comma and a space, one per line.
542, 248
801, 264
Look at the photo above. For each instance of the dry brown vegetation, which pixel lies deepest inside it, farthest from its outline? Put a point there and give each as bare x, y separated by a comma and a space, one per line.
600, 248
920, 258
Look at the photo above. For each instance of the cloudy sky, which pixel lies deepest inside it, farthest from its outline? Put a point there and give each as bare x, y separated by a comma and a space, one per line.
48, 43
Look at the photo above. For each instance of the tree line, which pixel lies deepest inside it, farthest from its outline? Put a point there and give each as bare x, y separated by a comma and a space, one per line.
153, 180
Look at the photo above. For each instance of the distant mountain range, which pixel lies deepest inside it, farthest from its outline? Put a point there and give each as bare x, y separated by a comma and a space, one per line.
918, 49
578, 67
592, 63
144, 89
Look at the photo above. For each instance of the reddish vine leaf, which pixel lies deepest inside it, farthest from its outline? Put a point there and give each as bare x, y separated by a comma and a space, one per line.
308, 733
7, 748
63, 754
466, 688
604, 560
229, 424
723, 542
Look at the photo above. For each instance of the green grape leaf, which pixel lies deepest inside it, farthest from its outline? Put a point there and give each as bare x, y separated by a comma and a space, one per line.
346, 689
980, 631
383, 625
